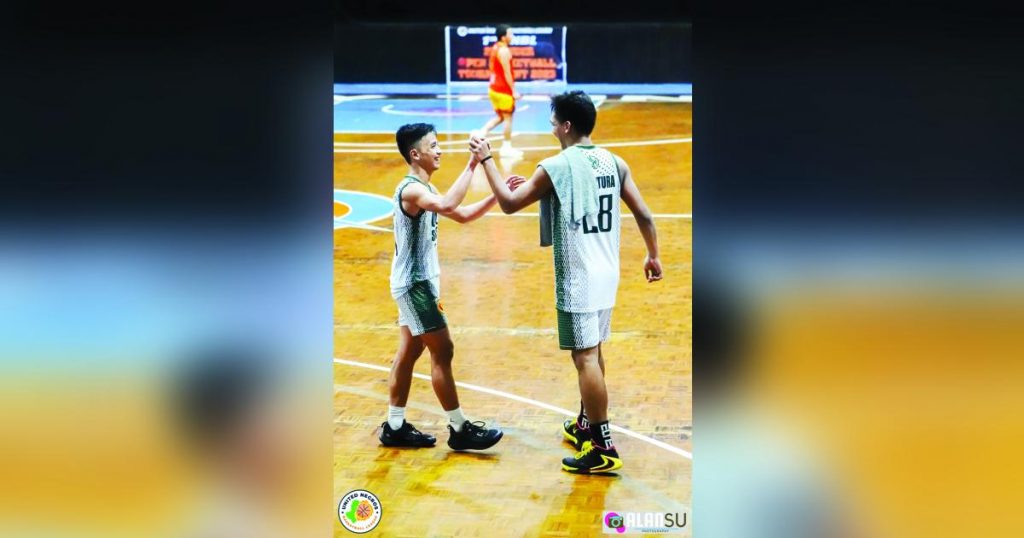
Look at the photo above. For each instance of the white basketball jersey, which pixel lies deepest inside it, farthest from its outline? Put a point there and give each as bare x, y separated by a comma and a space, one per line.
587, 255
415, 256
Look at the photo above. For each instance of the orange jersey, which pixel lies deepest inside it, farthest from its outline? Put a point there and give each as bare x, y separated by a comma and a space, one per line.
498, 82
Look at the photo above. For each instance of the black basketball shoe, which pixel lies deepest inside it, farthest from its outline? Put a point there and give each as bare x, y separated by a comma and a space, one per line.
592, 459
473, 437
575, 435
405, 436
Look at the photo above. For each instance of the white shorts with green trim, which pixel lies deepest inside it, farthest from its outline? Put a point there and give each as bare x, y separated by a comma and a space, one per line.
420, 308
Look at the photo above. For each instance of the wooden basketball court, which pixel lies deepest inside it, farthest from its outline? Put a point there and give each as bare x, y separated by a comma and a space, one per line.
498, 292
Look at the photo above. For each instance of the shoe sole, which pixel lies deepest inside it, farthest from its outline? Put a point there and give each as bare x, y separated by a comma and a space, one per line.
617, 465
500, 435
406, 445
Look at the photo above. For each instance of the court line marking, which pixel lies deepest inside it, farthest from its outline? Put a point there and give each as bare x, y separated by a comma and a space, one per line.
340, 223
347, 207
528, 401
473, 97
338, 99
684, 216
543, 97
390, 109
440, 132
506, 331
656, 98
392, 146
478, 330
338, 149
687, 216
344, 221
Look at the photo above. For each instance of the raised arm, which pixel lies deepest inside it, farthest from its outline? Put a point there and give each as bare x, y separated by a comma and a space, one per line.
471, 212
644, 221
447, 204
510, 201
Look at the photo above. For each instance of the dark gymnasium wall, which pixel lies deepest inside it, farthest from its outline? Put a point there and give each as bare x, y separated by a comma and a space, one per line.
386, 42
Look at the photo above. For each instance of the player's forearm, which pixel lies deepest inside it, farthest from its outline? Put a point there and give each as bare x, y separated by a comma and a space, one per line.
476, 210
498, 187
457, 192
645, 222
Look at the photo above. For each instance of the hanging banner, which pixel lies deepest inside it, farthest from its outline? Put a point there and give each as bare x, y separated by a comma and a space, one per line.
538, 54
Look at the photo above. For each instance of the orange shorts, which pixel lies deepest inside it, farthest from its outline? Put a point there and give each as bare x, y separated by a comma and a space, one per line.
502, 102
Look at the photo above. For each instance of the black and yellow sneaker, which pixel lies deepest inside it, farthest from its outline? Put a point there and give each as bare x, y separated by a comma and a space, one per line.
591, 459
473, 437
406, 436
575, 435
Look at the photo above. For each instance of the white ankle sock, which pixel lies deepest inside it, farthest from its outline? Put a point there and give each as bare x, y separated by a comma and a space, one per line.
456, 418
396, 416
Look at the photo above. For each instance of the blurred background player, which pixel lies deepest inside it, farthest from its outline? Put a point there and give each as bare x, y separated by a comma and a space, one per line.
234, 404
502, 91
416, 287
580, 191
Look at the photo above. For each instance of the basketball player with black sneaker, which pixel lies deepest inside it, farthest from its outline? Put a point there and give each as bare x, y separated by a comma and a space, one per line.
416, 287
579, 190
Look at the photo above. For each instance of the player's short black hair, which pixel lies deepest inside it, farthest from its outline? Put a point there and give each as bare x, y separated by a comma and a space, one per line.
501, 30
408, 135
575, 107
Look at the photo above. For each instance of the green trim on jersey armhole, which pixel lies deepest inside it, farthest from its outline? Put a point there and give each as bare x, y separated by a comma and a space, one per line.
618, 172
401, 207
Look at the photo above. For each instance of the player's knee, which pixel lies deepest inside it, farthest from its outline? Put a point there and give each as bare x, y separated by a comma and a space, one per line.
585, 358
414, 353
410, 355
444, 353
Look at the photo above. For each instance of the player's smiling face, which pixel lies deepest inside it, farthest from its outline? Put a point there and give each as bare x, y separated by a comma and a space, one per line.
428, 153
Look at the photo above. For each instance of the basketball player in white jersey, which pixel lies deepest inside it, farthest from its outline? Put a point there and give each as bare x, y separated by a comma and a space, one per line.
586, 257
416, 287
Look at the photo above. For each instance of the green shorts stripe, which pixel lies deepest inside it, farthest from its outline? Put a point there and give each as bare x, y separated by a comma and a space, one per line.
419, 308
582, 330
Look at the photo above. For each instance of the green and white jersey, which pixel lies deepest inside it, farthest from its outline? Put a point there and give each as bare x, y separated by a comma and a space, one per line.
415, 257
587, 254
